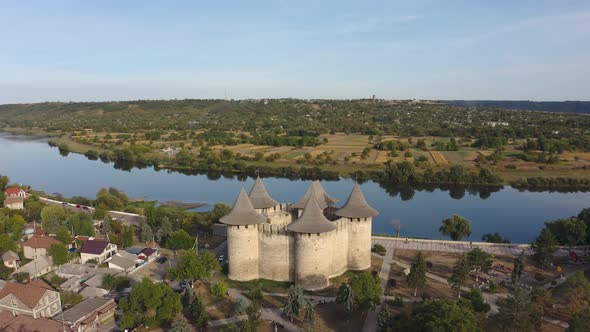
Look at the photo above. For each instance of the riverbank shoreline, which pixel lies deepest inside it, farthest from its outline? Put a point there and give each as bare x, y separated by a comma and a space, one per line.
360, 171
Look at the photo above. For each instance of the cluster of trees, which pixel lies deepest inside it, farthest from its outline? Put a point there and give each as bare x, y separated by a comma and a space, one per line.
405, 173
569, 232
149, 303
541, 183
490, 142
288, 116
449, 146
557, 146
539, 157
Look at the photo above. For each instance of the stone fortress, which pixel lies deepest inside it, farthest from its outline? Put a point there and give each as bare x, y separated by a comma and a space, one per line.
307, 242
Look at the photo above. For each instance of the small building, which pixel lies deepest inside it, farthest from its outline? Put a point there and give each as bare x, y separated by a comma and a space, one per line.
98, 250
11, 259
148, 254
89, 314
71, 270
15, 192
92, 292
37, 267
122, 263
37, 245
14, 203
36, 299
71, 285
22, 323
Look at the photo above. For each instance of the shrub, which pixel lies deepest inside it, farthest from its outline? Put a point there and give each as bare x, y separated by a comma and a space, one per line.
219, 289
539, 276
493, 286
379, 249
392, 283
398, 302
429, 264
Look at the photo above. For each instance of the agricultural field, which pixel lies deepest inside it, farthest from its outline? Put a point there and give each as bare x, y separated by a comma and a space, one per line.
346, 153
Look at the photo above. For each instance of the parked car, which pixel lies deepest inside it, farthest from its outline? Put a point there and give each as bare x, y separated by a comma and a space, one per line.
162, 259
85, 208
77, 206
221, 258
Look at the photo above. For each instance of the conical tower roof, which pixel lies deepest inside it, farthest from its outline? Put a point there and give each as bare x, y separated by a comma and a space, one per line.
312, 219
323, 199
356, 206
259, 196
243, 212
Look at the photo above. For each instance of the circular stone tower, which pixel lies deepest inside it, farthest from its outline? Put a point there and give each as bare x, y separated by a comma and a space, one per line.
313, 245
242, 238
359, 215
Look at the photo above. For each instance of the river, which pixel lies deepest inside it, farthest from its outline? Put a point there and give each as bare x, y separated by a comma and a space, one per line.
516, 215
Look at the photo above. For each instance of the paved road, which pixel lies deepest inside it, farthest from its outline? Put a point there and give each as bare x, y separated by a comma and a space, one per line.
370, 324
227, 321
267, 313
130, 218
451, 246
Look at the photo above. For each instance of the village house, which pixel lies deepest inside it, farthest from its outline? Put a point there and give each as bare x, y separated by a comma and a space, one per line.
97, 249
14, 203
15, 192
22, 323
89, 314
37, 267
11, 259
37, 245
36, 299
122, 263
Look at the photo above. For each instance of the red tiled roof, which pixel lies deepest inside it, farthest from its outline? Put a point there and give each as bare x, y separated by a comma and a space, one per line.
12, 191
95, 247
40, 241
22, 323
29, 294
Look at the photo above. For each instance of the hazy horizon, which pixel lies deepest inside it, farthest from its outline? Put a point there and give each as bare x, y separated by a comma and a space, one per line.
428, 50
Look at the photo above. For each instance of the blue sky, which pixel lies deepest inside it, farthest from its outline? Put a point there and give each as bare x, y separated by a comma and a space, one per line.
120, 50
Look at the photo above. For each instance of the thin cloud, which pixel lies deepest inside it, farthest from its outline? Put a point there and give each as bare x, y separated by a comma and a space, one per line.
373, 24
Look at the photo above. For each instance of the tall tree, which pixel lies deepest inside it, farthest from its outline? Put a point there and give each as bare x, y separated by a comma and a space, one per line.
580, 322
544, 247
367, 290
456, 227
53, 217
254, 316
180, 324
345, 297
519, 266
577, 292
193, 266
460, 274
480, 260
294, 302
417, 276
438, 315
149, 303
59, 253
146, 232
575, 232
198, 313
518, 313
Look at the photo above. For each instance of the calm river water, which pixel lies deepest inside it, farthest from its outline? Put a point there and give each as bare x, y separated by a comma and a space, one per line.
516, 215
